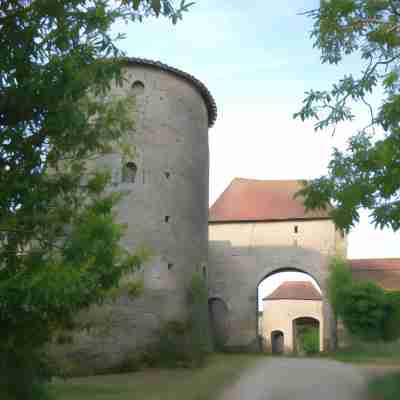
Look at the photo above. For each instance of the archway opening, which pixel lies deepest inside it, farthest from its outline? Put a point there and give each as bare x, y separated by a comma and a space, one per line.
277, 342
219, 322
282, 297
306, 335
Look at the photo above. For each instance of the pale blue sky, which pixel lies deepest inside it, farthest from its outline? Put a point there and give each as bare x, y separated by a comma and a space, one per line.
257, 60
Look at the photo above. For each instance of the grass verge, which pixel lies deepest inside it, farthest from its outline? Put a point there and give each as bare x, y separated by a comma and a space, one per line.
377, 353
385, 387
156, 384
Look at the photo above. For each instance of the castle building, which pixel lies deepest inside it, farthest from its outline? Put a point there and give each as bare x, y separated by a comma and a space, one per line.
289, 310
165, 209
256, 229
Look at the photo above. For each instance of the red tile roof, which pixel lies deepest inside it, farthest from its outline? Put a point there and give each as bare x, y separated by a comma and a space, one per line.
375, 264
295, 291
256, 200
384, 271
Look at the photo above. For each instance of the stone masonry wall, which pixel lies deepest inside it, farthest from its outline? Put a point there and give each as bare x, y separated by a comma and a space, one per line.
241, 255
165, 210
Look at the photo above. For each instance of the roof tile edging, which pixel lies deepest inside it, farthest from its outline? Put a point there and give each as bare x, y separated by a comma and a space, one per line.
207, 97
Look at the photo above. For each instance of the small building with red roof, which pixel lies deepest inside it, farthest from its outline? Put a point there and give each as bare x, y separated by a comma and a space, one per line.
289, 309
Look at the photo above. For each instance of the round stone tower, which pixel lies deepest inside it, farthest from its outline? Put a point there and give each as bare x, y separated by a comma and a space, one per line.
165, 208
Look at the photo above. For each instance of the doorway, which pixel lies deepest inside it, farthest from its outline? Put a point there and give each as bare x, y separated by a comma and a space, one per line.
277, 341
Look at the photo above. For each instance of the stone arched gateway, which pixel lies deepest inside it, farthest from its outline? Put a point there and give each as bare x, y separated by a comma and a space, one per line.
244, 269
258, 228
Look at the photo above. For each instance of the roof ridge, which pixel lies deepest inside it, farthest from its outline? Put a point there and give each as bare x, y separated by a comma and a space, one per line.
270, 180
282, 292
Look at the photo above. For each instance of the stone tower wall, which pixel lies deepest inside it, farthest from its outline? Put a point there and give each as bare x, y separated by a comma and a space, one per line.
165, 210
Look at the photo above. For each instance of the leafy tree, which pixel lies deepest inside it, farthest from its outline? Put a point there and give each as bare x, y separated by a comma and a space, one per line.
367, 174
59, 244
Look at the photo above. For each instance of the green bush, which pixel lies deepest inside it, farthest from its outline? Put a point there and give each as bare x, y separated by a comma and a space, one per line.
392, 319
385, 387
309, 340
364, 310
200, 336
173, 346
368, 312
339, 281
184, 343
24, 374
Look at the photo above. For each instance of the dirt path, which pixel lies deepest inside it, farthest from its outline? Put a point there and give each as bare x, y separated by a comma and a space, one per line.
298, 379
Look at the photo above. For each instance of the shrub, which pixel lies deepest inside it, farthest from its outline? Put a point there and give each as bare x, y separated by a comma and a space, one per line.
309, 341
385, 387
200, 337
173, 347
184, 343
363, 310
392, 320
23, 374
339, 281
367, 311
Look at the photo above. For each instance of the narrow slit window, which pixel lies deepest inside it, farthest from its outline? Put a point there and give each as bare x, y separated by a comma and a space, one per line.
166, 218
129, 172
296, 229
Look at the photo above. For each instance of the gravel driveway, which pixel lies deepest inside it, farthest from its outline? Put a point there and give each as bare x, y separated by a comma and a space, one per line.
298, 379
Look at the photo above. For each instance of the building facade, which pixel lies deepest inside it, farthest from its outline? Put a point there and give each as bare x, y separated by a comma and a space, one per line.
291, 306
258, 228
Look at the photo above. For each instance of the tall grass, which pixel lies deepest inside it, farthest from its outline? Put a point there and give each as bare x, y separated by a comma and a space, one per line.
385, 387
360, 351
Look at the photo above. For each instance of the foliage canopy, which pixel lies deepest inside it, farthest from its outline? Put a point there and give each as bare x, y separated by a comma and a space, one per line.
367, 174
59, 244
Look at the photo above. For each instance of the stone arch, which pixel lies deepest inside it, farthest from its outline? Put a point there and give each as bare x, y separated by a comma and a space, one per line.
300, 323
304, 270
236, 271
287, 269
